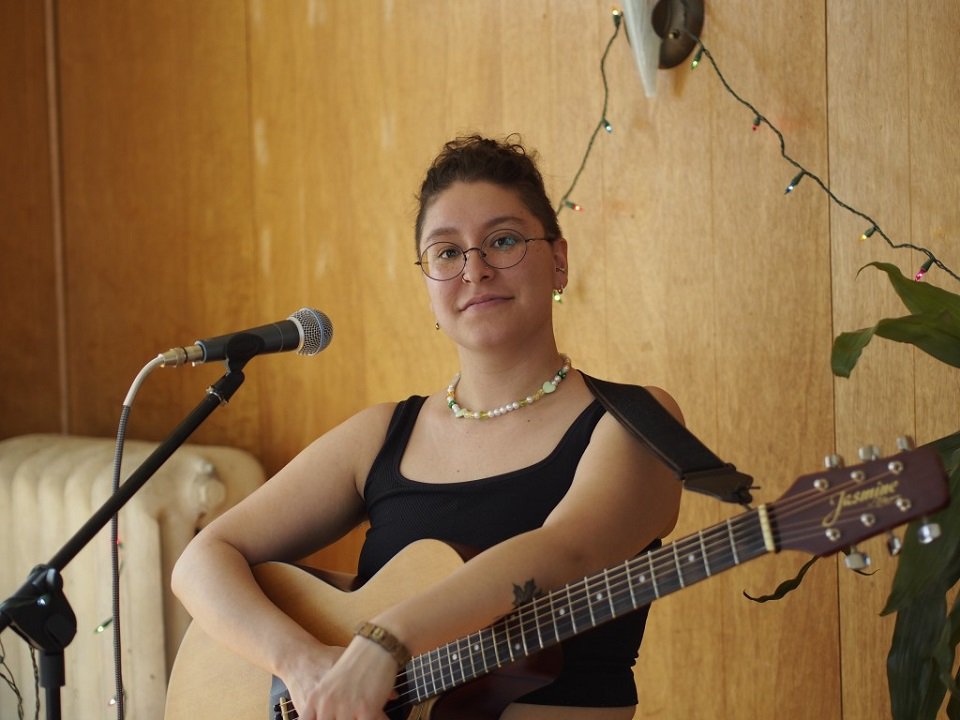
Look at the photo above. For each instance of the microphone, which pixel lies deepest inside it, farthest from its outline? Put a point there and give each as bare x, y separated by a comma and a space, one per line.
307, 331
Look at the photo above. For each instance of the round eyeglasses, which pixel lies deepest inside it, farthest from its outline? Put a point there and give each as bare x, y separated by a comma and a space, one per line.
500, 250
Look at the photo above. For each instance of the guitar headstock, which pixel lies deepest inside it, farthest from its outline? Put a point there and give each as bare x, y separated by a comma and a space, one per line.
831, 510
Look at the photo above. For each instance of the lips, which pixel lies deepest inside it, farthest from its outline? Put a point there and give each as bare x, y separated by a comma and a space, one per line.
481, 300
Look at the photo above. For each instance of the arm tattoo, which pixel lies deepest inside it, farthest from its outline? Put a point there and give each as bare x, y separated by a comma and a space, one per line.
523, 595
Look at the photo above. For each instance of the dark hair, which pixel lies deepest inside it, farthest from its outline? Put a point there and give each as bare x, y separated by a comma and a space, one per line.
505, 163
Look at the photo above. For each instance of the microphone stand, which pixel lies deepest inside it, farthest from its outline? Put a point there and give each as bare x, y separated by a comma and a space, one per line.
38, 611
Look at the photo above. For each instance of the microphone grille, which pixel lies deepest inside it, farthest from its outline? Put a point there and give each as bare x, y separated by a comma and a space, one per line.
317, 330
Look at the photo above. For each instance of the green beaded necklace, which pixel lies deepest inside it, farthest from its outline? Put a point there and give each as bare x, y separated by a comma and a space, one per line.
548, 387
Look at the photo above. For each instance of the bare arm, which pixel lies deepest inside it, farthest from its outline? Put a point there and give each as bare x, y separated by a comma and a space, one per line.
311, 502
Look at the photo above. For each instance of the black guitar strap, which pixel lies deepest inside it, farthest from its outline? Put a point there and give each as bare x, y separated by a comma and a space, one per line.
692, 461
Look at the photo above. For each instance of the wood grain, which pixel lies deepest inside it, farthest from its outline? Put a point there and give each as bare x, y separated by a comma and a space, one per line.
225, 163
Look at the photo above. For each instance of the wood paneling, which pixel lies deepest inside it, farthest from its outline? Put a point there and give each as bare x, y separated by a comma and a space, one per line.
227, 162
893, 156
157, 207
31, 392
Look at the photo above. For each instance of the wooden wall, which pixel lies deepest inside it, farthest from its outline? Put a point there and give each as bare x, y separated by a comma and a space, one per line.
176, 169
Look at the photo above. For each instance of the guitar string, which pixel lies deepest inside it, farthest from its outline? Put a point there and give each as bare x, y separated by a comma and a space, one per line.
669, 560
666, 558
662, 562
445, 679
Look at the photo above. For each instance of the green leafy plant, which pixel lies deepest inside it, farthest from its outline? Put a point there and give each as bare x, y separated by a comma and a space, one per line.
926, 633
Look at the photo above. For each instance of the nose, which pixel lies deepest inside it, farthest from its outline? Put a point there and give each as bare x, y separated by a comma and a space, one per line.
476, 270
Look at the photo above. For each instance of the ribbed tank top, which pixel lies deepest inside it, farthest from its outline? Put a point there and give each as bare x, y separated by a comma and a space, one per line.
481, 513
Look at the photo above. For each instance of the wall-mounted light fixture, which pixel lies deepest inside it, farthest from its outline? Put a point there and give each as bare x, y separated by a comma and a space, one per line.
661, 33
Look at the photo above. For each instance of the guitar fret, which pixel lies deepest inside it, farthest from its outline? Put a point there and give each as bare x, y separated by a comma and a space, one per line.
445, 667
471, 651
553, 618
427, 675
606, 582
536, 622
419, 679
586, 588
703, 552
633, 597
733, 545
676, 561
573, 615
506, 629
496, 655
521, 626
653, 575
459, 659
478, 647
436, 671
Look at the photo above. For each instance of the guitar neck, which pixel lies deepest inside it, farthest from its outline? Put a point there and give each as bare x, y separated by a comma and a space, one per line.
585, 604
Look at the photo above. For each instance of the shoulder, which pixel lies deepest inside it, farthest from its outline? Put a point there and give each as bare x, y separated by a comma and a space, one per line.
356, 440
366, 428
659, 394
666, 399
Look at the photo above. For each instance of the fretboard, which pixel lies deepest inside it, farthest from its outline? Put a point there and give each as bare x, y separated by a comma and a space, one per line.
585, 604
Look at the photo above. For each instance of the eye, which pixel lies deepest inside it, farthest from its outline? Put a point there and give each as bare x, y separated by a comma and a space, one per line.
504, 241
443, 252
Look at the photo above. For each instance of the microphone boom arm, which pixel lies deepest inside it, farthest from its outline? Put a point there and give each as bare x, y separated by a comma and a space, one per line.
39, 611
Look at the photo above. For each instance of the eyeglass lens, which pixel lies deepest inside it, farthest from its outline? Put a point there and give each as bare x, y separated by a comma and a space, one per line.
500, 250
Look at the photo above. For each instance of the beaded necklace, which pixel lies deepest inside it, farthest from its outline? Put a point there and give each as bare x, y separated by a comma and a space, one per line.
548, 387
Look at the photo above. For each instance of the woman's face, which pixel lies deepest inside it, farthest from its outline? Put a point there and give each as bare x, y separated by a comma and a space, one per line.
485, 306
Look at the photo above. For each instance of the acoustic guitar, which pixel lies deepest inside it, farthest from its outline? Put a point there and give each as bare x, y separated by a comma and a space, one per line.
475, 677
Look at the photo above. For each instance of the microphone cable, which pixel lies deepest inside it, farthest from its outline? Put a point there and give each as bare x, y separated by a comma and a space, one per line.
119, 696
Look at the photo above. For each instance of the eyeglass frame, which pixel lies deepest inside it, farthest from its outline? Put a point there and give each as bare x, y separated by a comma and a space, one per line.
480, 252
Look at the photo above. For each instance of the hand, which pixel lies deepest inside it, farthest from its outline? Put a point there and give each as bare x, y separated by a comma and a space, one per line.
357, 687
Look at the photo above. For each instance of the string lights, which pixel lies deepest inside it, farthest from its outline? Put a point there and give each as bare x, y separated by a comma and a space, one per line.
873, 227
604, 124
758, 119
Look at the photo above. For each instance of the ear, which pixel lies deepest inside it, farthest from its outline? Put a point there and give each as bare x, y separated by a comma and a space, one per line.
560, 264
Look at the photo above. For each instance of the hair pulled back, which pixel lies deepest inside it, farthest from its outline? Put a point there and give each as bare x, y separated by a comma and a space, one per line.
502, 162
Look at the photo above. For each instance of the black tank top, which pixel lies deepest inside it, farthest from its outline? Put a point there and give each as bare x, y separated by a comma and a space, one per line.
597, 670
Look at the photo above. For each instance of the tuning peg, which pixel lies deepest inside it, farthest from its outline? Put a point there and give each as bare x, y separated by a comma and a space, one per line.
904, 443
928, 532
869, 452
856, 560
894, 544
833, 461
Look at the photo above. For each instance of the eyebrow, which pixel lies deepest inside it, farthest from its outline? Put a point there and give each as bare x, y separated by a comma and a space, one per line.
487, 226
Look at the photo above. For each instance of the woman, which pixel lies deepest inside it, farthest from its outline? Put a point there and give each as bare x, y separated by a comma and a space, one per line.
514, 458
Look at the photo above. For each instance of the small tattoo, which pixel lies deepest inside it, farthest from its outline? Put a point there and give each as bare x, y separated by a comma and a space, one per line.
523, 595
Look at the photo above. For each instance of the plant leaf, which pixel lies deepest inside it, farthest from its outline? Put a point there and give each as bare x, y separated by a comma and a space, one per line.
945, 650
942, 680
919, 297
847, 348
922, 566
937, 334
911, 676
948, 446
787, 586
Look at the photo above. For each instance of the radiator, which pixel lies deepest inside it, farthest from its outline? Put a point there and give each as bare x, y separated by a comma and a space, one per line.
49, 486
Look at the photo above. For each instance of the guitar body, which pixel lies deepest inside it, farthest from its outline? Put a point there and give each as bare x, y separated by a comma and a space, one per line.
210, 682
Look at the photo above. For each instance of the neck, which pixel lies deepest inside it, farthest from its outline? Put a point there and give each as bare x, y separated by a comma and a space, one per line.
488, 380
